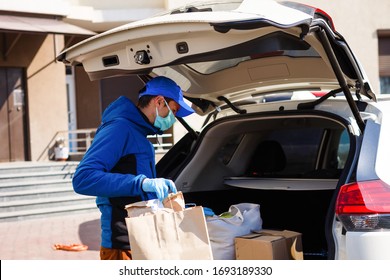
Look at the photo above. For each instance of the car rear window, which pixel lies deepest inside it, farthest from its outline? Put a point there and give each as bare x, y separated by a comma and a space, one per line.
307, 152
300, 146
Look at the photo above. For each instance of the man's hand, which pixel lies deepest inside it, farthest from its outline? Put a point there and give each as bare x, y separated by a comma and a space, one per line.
160, 186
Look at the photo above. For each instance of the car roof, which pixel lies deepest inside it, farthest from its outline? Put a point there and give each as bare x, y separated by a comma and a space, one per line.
260, 47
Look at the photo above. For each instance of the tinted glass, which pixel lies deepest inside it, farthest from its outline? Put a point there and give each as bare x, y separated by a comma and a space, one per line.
385, 85
343, 149
300, 146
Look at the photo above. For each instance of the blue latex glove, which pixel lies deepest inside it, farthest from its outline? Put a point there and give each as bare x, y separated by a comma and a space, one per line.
160, 186
208, 212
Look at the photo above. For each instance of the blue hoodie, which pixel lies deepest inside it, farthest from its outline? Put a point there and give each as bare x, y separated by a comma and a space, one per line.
114, 167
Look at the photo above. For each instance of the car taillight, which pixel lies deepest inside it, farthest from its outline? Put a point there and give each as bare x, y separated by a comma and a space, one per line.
364, 206
322, 14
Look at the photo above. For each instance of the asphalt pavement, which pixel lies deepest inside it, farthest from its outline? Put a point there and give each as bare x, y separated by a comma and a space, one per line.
34, 239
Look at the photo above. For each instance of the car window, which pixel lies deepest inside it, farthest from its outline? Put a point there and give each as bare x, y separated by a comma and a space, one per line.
343, 150
226, 152
300, 146
301, 152
385, 85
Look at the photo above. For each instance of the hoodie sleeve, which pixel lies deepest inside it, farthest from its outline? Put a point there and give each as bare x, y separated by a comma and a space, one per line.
93, 177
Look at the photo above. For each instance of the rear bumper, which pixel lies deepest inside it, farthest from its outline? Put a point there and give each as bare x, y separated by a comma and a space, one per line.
368, 245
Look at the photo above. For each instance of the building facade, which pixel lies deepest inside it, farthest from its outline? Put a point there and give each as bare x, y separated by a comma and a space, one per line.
33, 96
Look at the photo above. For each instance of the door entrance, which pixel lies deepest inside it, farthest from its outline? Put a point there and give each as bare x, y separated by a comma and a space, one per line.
12, 115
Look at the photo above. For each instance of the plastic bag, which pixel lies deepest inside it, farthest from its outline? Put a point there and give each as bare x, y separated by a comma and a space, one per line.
241, 219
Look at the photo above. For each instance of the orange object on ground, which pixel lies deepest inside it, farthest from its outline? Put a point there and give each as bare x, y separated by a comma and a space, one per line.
71, 247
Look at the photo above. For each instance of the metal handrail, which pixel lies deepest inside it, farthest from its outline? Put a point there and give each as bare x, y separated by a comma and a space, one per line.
71, 139
78, 142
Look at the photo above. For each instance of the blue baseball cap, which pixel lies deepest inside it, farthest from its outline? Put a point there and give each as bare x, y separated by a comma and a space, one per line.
167, 88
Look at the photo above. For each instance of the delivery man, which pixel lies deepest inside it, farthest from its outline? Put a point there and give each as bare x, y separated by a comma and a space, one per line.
119, 167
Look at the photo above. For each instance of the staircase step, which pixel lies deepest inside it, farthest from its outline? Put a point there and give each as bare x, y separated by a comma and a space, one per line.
35, 193
18, 205
40, 189
36, 184
45, 212
22, 167
33, 176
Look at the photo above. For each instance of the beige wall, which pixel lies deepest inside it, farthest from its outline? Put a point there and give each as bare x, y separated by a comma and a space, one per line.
47, 100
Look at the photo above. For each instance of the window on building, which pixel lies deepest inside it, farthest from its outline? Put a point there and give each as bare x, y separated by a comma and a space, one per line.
384, 60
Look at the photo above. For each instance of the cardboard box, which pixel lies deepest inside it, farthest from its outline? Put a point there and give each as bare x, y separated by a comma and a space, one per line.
269, 245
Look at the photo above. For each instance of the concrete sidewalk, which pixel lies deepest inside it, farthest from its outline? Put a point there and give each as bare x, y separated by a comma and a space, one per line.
34, 239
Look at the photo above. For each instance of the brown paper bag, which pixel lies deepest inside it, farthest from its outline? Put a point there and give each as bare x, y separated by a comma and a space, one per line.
168, 235
174, 201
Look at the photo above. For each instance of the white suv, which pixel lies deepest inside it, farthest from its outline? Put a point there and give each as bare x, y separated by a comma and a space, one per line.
292, 124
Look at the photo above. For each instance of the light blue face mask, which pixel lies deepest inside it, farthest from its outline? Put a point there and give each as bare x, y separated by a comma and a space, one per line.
164, 123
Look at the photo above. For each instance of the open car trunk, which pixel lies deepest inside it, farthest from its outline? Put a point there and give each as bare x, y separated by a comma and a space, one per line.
292, 158
291, 164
